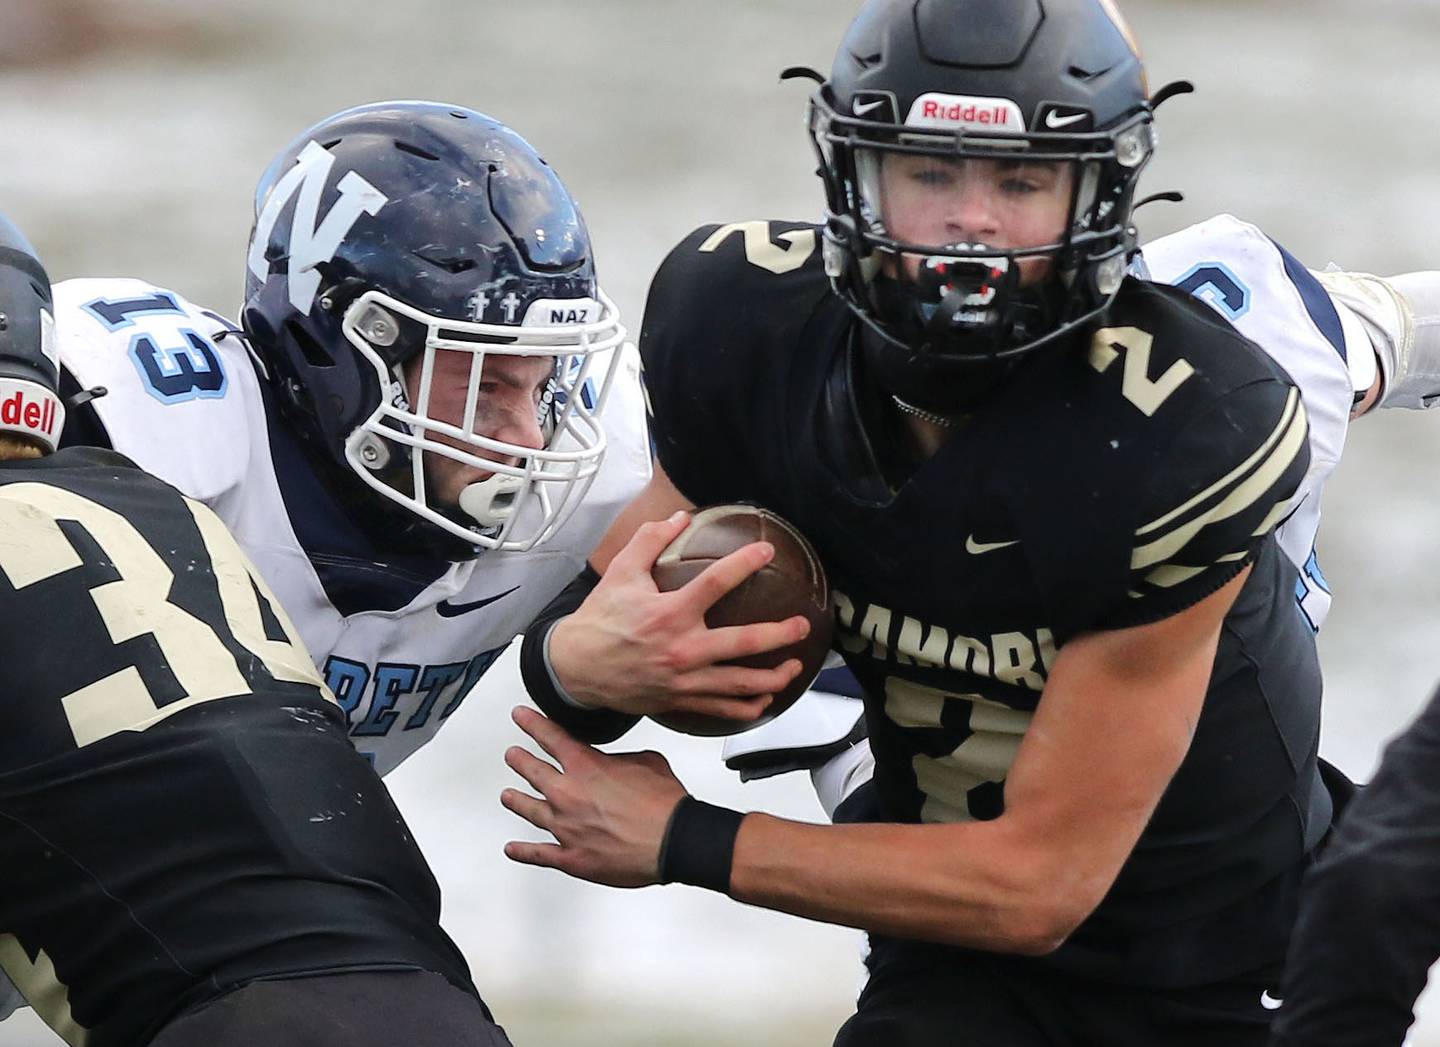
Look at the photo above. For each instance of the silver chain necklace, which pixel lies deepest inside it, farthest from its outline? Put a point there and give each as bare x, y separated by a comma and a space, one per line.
945, 421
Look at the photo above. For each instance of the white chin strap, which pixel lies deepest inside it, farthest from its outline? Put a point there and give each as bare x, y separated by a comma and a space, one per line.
491, 502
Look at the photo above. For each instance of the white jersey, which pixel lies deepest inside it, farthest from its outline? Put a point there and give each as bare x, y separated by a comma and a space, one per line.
400, 650
1280, 306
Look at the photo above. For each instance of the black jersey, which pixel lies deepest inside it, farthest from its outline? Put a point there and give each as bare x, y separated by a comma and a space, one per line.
181, 811
1369, 926
1116, 478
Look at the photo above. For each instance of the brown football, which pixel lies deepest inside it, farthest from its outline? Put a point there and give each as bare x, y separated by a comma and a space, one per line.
791, 583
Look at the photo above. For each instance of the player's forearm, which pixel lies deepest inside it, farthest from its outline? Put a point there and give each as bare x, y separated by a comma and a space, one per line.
1119, 713
975, 885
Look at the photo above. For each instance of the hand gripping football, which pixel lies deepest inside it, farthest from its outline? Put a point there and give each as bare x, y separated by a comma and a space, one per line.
791, 583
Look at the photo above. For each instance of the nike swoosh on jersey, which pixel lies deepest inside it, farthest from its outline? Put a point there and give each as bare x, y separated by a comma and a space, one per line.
1270, 1003
975, 548
446, 609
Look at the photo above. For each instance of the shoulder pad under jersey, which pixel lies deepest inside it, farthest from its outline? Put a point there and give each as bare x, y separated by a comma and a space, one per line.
724, 281
181, 394
1183, 447
1284, 309
723, 318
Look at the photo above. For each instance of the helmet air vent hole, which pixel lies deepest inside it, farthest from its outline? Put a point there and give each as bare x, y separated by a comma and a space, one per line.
450, 265
314, 353
415, 150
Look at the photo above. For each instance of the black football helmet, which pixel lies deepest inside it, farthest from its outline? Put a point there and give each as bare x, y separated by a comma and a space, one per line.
937, 87
29, 367
388, 232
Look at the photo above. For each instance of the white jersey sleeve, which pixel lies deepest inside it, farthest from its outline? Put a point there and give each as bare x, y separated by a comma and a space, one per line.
1279, 305
173, 380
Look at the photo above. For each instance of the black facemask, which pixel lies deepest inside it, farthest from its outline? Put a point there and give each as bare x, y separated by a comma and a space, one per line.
945, 363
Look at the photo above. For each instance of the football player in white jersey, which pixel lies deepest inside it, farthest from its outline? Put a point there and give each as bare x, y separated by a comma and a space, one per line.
425, 420
1350, 341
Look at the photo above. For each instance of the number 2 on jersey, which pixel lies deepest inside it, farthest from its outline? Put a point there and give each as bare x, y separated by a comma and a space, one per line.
1136, 385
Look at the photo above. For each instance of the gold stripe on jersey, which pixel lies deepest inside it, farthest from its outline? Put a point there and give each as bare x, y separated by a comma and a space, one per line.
1168, 575
1287, 418
46, 993
1172, 573
1236, 493
1275, 516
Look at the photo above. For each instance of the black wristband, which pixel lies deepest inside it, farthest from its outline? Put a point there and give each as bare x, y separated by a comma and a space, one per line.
595, 726
699, 845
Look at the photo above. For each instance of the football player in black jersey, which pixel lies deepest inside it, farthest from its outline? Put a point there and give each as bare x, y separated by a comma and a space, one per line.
194, 854
1369, 926
1044, 493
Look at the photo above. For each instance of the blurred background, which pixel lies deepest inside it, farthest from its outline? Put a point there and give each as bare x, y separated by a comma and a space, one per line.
137, 128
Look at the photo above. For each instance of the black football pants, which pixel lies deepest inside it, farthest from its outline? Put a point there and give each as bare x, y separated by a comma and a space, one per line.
922, 996
359, 1009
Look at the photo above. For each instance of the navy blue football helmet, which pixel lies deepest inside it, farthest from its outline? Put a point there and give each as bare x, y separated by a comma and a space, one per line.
390, 232
1048, 93
29, 367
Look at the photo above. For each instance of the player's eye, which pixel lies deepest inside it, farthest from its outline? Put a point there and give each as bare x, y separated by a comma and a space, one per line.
933, 177
1024, 179
1020, 186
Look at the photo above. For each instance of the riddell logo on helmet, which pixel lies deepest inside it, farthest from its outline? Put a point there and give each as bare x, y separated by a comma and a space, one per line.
966, 113
22, 411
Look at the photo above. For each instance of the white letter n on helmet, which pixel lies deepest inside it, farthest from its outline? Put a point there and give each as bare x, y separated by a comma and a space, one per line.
311, 240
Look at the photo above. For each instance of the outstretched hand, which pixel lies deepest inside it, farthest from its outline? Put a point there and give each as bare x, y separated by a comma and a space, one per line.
633, 649
608, 813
